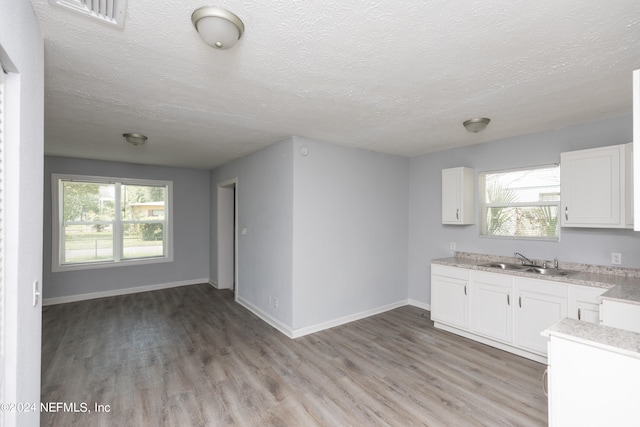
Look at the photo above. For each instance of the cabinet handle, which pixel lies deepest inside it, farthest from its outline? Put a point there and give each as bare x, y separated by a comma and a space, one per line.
520, 301
457, 213
508, 299
465, 289
566, 212
579, 313
545, 381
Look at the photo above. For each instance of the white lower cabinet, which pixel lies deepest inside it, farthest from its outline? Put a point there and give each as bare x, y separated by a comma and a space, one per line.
538, 304
491, 306
590, 385
450, 295
584, 303
506, 311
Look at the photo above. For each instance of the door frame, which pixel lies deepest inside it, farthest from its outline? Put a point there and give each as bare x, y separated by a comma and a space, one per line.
227, 210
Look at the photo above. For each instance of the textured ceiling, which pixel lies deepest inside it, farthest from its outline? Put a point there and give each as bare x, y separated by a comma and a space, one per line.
391, 76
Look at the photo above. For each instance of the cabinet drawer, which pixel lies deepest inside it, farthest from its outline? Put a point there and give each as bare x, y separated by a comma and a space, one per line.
497, 279
621, 315
447, 271
584, 303
545, 287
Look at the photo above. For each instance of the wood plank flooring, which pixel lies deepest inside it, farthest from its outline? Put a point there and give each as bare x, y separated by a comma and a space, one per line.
191, 356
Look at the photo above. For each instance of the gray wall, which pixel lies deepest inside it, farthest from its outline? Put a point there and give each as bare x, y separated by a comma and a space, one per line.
265, 208
191, 218
430, 239
350, 231
326, 233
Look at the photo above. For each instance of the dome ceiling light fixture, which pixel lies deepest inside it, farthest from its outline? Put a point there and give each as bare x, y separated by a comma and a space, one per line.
135, 138
219, 28
476, 125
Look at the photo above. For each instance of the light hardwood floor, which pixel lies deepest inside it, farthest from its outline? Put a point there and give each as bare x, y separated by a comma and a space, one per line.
191, 356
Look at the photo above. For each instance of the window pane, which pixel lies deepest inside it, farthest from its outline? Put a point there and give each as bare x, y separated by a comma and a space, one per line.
88, 243
105, 221
534, 221
521, 186
521, 203
143, 240
88, 201
140, 202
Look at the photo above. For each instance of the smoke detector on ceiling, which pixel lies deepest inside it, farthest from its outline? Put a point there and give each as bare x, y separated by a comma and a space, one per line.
110, 12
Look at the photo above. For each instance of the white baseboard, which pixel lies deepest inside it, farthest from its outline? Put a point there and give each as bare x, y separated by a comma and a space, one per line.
300, 332
506, 347
266, 317
125, 291
419, 304
346, 319
215, 284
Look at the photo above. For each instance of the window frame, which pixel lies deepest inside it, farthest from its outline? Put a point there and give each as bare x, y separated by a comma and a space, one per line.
57, 238
484, 205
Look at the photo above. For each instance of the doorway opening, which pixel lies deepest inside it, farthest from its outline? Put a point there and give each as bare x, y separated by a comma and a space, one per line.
228, 235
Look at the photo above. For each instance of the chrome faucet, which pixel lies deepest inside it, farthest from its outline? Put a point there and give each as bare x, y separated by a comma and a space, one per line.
525, 260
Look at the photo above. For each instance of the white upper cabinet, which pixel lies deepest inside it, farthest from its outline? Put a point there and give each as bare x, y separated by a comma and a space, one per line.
458, 196
597, 187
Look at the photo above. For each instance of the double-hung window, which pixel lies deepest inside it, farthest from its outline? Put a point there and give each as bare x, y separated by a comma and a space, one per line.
102, 222
521, 203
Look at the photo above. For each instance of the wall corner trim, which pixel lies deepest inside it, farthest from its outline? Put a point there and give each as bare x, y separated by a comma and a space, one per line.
266, 317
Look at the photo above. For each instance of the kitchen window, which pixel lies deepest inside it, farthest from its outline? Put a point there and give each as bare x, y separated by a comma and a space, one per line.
521, 203
104, 222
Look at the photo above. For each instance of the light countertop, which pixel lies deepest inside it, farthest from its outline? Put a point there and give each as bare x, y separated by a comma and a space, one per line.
629, 294
605, 337
580, 274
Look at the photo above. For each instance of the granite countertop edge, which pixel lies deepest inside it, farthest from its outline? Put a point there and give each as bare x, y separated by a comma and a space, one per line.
604, 337
620, 284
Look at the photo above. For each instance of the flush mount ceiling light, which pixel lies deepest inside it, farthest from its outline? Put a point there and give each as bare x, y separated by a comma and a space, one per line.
135, 138
476, 125
219, 28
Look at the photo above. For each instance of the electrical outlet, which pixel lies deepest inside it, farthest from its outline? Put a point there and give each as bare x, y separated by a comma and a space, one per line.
273, 302
616, 258
452, 246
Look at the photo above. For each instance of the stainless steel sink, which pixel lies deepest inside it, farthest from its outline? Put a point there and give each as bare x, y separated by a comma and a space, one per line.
527, 269
547, 271
504, 266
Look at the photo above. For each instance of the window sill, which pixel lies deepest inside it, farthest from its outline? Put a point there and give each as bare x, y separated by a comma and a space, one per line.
109, 264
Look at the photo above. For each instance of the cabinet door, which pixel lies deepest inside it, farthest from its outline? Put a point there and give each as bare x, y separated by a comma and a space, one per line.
621, 315
584, 303
491, 306
449, 301
592, 185
538, 304
457, 195
591, 386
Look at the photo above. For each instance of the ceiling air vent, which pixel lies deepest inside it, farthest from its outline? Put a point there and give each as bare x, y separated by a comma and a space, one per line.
111, 12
